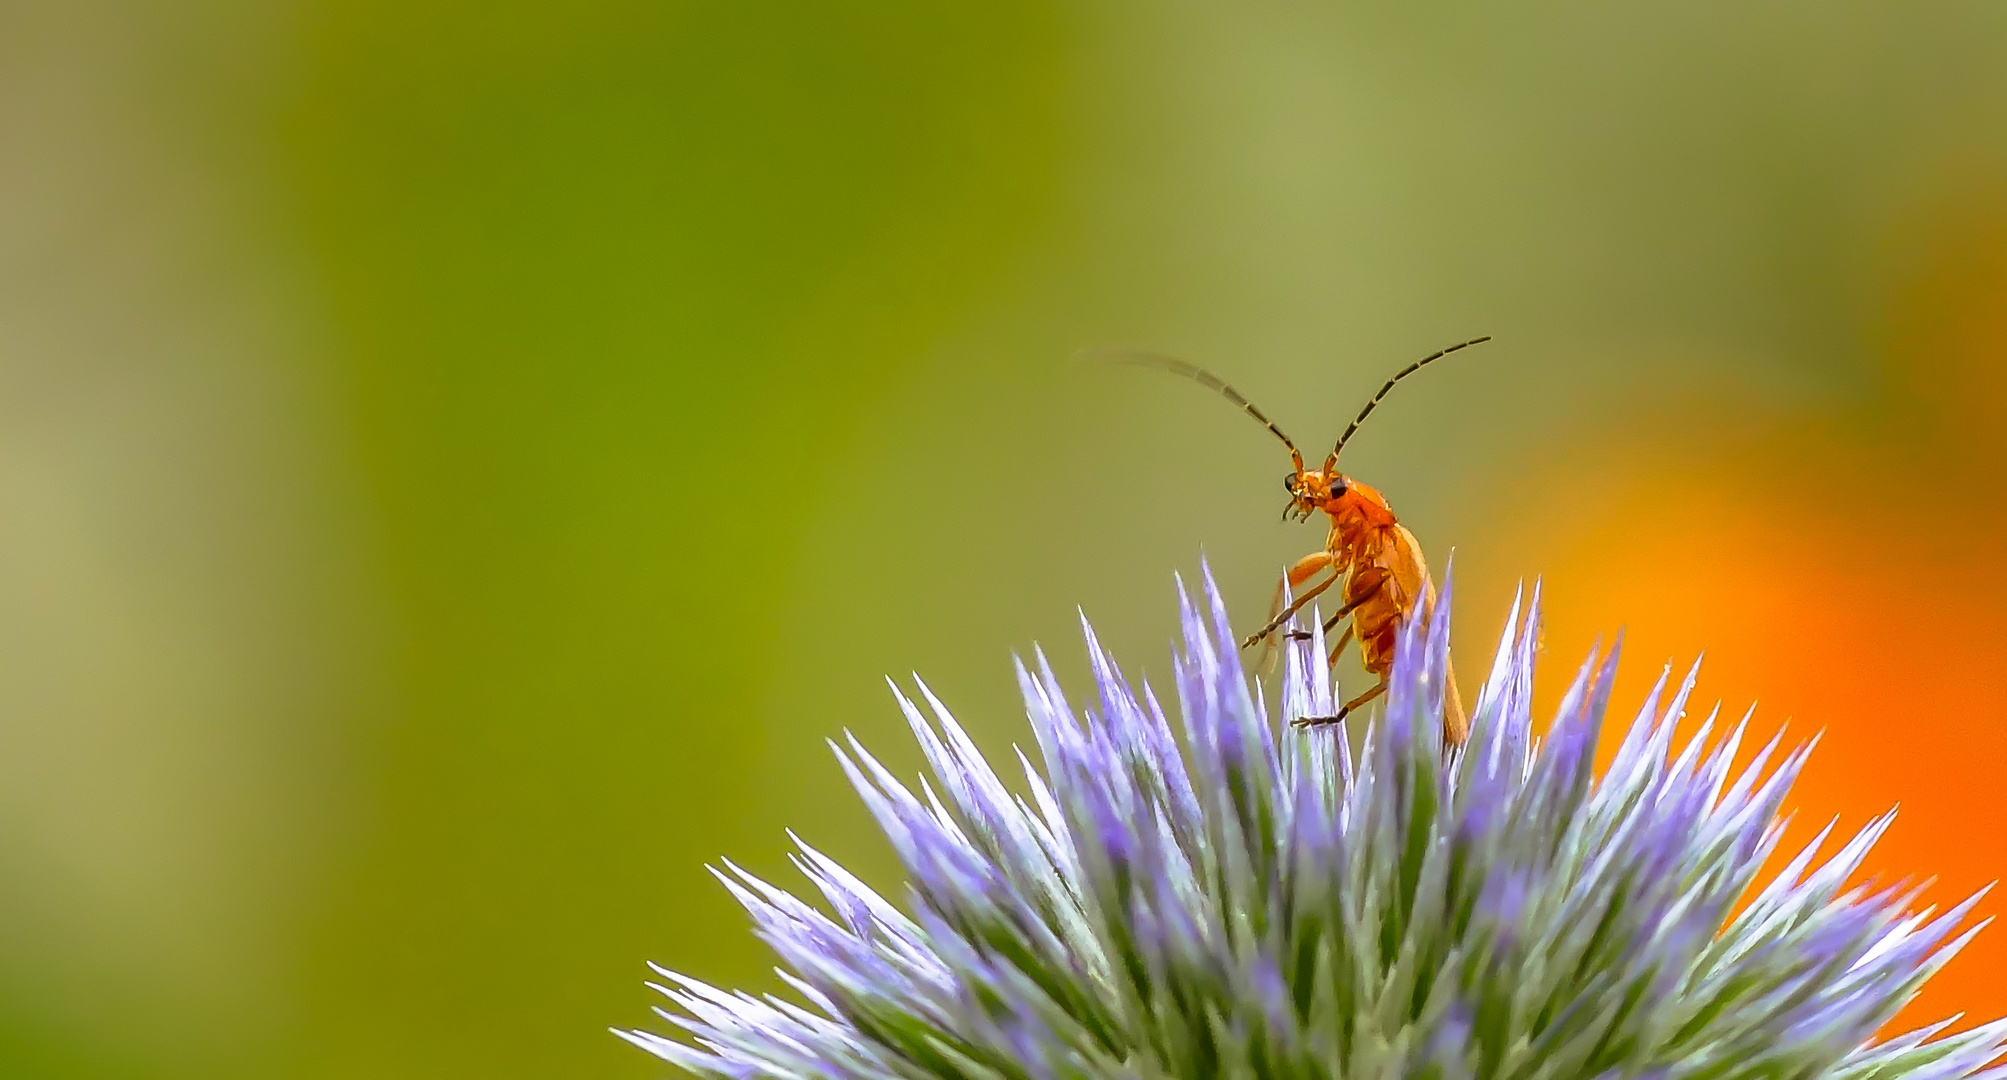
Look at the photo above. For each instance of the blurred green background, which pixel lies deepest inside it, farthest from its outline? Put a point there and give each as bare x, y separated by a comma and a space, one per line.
459, 461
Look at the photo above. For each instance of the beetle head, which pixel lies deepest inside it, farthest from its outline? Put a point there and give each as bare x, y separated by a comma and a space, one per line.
1310, 489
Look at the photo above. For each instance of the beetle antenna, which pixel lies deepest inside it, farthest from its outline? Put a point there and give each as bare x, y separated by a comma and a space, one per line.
1377, 398
1203, 378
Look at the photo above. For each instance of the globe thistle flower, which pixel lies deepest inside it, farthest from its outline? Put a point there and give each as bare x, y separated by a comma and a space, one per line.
1228, 896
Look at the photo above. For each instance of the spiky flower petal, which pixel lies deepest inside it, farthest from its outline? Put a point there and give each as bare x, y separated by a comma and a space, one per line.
1231, 898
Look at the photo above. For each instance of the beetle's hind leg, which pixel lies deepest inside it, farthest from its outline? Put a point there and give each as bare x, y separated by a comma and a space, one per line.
1364, 698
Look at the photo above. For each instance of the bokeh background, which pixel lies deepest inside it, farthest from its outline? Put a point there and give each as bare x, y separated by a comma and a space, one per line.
459, 461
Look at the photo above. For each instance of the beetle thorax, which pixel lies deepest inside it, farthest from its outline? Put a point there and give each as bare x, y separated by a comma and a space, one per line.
1355, 509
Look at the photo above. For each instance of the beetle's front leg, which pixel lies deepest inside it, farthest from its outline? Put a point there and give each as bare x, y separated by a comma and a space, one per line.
1306, 568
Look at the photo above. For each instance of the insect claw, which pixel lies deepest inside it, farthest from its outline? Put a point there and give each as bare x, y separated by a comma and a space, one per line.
1298, 635
1319, 721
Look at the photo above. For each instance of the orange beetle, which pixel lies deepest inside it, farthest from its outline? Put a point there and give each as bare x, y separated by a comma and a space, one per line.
1379, 561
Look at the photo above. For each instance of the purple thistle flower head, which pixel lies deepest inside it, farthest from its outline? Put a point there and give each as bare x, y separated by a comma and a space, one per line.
1228, 896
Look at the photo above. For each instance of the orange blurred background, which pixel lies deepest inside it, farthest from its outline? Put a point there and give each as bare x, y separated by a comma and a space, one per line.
1843, 566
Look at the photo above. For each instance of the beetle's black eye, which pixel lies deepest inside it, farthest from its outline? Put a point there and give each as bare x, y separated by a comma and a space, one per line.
1338, 488
1289, 482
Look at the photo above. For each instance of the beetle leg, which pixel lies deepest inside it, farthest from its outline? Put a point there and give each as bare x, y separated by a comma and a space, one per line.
1364, 698
1343, 640
1346, 710
1456, 723
1343, 712
1305, 569
1350, 606
1301, 571
1331, 623
1294, 607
